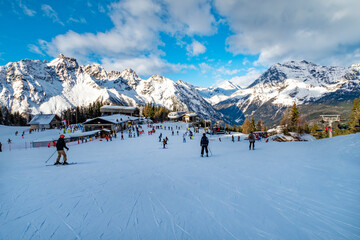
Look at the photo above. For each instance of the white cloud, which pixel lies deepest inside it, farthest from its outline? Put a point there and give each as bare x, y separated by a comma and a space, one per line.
51, 13
278, 30
190, 17
35, 49
245, 80
77, 20
144, 65
135, 37
27, 10
225, 71
204, 67
101, 8
195, 48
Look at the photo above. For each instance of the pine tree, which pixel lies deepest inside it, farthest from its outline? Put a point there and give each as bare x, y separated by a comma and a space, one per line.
252, 125
260, 126
291, 120
355, 116
246, 126
294, 118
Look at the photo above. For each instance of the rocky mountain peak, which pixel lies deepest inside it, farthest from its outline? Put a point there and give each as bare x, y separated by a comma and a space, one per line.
129, 74
64, 62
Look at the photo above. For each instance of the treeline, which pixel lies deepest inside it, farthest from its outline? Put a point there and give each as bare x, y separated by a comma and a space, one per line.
156, 113
247, 126
12, 119
293, 122
81, 114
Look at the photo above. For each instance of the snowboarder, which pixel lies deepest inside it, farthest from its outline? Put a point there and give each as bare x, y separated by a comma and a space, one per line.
251, 138
60, 145
204, 145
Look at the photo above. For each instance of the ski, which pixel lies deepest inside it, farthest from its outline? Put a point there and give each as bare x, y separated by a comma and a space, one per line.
70, 163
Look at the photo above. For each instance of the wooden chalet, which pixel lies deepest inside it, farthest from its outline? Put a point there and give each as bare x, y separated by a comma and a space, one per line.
46, 121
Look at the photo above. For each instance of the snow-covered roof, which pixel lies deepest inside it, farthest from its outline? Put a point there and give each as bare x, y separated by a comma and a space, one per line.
115, 118
175, 115
191, 114
42, 119
117, 108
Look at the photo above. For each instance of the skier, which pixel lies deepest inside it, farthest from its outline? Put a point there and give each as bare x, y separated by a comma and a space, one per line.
0, 147
60, 145
232, 138
251, 138
164, 142
238, 138
204, 145
160, 136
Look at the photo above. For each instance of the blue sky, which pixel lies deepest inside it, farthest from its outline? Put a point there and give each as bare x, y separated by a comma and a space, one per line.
202, 42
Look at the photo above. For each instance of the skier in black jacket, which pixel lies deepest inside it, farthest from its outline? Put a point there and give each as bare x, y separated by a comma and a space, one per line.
204, 145
60, 145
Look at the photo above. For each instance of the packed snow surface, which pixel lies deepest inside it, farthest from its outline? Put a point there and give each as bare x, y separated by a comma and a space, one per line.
134, 189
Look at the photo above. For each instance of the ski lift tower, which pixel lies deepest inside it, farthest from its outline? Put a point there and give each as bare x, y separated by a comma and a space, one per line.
330, 119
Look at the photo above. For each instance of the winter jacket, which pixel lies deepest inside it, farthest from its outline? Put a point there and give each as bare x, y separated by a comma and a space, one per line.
60, 145
251, 137
204, 141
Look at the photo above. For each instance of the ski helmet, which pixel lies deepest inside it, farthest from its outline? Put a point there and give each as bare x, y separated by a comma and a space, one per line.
62, 136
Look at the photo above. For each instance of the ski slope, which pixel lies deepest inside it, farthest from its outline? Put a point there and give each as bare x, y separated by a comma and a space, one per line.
134, 189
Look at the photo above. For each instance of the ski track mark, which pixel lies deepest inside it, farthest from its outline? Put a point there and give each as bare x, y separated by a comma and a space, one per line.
97, 204
52, 235
132, 210
26, 230
213, 217
76, 204
172, 219
71, 229
156, 220
17, 218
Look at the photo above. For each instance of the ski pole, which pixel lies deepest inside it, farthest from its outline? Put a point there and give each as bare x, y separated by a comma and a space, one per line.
210, 151
50, 157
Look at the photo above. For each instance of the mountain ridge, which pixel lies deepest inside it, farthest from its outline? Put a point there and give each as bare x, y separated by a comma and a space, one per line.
34, 86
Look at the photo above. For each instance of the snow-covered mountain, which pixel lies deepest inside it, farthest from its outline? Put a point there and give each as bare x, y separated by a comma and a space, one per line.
218, 93
283, 84
32, 86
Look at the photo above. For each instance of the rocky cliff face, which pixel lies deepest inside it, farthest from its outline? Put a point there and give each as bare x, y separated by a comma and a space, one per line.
32, 86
